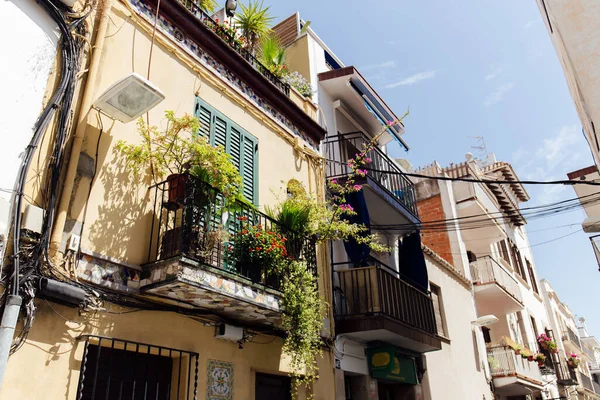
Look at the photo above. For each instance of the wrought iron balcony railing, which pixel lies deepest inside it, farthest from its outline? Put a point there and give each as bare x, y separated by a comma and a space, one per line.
343, 147
504, 363
194, 7
194, 220
570, 335
379, 290
487, 270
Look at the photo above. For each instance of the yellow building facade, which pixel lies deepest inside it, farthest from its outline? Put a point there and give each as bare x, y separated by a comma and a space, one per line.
122, 226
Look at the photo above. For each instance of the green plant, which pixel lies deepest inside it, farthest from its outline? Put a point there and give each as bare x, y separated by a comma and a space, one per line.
299, 83
493, 363
254, 247
228, 32
540, 358
254, 20
208, 6
272, 55
178, 148
302, 319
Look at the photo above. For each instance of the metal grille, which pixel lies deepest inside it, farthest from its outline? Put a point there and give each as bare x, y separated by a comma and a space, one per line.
116, 369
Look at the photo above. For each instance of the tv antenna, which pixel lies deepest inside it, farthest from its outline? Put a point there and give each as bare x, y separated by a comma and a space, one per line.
481, 148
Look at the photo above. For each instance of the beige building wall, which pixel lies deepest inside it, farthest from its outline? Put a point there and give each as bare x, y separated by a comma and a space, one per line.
113, 215
573, 28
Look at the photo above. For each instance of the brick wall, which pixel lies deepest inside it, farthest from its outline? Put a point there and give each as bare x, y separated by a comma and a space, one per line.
431, 209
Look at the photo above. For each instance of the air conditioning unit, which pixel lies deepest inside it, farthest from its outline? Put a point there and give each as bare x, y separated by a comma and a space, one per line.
229, 332
33, 219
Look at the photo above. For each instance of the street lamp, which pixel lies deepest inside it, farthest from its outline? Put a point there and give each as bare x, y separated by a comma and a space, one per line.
230, 6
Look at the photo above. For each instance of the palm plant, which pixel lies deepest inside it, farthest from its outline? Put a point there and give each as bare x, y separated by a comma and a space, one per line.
272, 55
254, 20
208, 6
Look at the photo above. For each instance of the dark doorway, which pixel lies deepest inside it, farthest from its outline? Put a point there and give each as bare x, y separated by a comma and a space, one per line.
272, 387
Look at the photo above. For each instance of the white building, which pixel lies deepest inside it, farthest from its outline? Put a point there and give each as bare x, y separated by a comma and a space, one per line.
422, 328
574, 382
572, 25
591, 347
488, 237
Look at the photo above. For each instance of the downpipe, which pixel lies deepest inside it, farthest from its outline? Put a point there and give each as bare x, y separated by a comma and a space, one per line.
7, 330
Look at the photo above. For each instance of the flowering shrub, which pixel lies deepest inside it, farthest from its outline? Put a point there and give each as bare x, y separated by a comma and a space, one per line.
573, 361
540, 358
227, 32
299, 83
547, 343
256, 246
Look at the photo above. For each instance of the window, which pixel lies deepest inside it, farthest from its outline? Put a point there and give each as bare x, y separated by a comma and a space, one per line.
242, 146
272, 387
534, 325
504, 251
534, 285
438, 309
120, 369
487, 337
517, 260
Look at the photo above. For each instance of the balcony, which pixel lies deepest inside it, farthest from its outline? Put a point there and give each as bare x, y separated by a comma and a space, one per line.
390, 196
571, 341
375, 304
193, 256
586, 382
496, 290
513, 375
565, 376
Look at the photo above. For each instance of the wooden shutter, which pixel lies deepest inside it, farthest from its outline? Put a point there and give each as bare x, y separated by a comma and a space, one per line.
437, 308
219, 134
249, 166
204, 115
235, 139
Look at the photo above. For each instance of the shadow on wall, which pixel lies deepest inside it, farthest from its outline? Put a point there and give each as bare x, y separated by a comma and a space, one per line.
122, 227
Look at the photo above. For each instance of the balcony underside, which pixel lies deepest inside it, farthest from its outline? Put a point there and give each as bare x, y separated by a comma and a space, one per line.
491, 298
516, 385
492, 232
386, 329
187, 283
385, 208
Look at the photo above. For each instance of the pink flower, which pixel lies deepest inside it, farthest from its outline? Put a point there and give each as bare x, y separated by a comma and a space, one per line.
357, 187
367, 159
346, 207
361, 172
390, 122
333, 181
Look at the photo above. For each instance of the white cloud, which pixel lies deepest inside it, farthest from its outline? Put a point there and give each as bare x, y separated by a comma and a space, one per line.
386, 64
554, 157
498, 95
495, 71
411, 80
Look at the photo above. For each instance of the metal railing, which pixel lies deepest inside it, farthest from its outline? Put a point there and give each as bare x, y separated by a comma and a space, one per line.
504, 362
596, 387
122, 369
193, 219
572, 336
382, 169
194, 7
379, 290
586, 382
487, 270
564, 373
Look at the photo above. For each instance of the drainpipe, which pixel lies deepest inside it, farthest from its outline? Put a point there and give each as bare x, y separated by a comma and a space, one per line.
7, 329
84, 110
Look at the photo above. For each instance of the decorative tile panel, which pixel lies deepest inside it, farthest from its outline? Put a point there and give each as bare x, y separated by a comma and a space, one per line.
219, 380
169, 29
108, 274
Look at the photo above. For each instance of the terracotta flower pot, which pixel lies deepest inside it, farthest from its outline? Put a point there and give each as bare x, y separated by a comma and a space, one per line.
518, 351
541, 363
529, 358
544, 345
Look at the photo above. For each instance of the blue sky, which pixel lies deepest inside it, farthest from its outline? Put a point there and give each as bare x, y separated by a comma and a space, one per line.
475, 68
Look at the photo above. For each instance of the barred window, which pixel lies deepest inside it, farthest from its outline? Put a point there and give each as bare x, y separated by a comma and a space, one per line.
121, 369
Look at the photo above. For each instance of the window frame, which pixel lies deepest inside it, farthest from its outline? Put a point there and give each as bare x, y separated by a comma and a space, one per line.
436, 291
187, 383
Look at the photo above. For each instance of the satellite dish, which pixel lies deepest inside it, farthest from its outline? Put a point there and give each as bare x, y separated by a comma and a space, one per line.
485, 320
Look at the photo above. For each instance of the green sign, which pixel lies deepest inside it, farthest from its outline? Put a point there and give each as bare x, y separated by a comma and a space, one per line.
386, 364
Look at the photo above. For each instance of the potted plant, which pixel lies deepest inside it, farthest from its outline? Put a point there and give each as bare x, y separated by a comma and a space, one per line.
517, 348
524, 356
254, 21
541, 359
494, 364
573, 361
547, 343
176, 149
256, 252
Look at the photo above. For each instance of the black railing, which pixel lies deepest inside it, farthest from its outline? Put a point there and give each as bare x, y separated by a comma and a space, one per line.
203, 17
586, 382
343, 147
573, 337
379, 290
121, 369
565, 375
193, 219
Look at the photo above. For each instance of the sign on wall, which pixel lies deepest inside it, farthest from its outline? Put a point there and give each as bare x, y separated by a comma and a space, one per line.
386, 364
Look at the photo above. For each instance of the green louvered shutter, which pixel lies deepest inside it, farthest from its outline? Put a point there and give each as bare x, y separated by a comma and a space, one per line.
235, 139
249, 167
219, 136
204, 115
